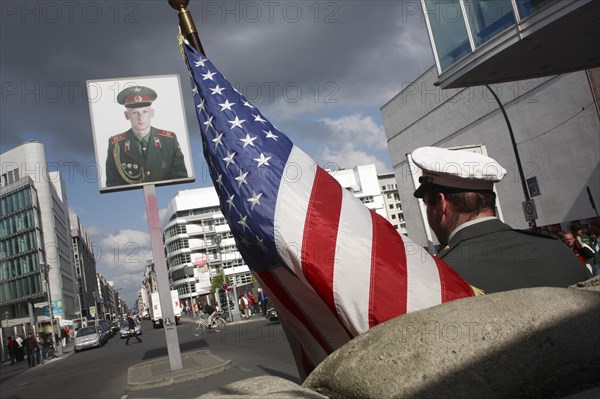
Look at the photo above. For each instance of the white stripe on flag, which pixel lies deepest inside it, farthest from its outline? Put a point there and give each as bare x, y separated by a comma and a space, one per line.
423, 278
291, 208
352, 269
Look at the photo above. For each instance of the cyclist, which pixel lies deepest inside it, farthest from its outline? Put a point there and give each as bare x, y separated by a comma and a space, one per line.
210, 311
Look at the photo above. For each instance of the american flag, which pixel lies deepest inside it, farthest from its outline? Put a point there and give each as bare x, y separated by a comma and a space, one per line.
332, 267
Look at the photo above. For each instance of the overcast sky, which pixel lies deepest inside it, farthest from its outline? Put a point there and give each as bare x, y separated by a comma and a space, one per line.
320, 71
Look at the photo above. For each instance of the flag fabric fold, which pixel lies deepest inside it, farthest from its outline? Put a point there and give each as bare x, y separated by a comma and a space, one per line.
332, 267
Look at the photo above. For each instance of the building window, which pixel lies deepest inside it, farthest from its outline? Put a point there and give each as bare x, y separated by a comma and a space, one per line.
448, 31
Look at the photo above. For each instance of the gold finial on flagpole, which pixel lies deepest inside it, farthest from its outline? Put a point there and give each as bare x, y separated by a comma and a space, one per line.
188, 28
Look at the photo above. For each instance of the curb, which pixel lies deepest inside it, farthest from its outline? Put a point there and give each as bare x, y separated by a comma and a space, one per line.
157, 372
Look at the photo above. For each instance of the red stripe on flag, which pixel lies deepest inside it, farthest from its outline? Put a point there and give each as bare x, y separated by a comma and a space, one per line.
320, 235
388, 273
452, 285
278, 291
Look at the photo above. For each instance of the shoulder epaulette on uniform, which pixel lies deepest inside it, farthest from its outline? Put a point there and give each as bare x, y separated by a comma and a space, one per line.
118, 137
165, 133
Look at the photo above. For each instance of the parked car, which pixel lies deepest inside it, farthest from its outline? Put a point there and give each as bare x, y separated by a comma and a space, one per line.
88, 337
125, 329
105, 324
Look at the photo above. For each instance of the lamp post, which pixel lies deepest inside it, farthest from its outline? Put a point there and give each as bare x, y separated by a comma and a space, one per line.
44, 268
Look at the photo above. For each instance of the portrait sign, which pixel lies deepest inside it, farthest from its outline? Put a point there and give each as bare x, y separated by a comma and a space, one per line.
140, 132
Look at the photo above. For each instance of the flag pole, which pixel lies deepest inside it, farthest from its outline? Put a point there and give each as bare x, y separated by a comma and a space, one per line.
188, 29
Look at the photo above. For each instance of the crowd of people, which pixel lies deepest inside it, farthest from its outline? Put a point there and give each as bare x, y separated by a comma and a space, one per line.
32, 347
250, 304
585, 244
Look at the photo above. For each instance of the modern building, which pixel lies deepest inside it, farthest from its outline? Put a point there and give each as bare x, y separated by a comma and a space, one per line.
34, 233
478, 42
363, 183
85, 266
555, 122
199, 246
391, 201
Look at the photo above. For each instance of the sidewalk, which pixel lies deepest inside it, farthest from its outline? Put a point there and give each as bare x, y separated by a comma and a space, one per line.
10, 369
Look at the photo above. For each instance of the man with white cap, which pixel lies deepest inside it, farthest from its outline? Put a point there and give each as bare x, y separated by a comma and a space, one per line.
457, 188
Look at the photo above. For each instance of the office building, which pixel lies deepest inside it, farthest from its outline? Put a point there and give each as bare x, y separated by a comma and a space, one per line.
34, 231
199, 246
85, 266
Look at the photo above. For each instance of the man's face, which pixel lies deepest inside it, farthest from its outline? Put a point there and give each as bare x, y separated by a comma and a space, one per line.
140, 119
569, 239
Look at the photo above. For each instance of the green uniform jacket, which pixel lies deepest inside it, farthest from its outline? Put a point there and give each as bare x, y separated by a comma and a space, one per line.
492, 256
125, 163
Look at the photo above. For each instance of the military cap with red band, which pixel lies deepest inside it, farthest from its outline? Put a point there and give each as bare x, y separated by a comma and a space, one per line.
136, 97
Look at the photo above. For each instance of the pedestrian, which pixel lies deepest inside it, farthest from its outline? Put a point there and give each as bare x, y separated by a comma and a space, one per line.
580, 249
11, 347
131, 326
243, 304
457, 189
31, 347
40, 346
19, 350
142, 153
262, 299
250, 298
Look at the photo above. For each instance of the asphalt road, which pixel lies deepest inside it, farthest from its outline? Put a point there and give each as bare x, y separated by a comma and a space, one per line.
255, 347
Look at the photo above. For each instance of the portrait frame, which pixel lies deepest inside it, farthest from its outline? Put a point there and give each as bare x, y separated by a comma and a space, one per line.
110, 125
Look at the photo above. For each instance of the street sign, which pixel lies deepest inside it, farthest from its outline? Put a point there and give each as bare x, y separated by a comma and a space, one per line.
40, 304
529, 210
93, 311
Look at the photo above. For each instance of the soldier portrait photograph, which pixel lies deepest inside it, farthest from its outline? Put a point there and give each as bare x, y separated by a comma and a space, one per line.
134, 146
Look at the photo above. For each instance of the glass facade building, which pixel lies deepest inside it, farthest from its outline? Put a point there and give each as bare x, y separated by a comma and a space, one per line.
476, 42
21, 246
34, 236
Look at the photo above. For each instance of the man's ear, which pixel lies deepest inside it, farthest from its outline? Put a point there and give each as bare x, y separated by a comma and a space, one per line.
126, 115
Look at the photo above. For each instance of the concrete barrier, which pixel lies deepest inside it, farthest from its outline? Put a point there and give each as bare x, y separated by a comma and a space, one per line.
536, 342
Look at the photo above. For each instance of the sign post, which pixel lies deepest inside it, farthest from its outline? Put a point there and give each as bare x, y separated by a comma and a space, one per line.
162, 277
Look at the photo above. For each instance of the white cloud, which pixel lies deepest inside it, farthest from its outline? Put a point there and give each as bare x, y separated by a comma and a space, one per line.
358, 129
348, 157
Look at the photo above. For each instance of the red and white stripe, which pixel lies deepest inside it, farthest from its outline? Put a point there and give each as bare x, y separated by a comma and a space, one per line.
347, 269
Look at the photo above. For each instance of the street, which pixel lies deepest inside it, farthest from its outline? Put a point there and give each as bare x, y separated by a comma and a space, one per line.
256, 347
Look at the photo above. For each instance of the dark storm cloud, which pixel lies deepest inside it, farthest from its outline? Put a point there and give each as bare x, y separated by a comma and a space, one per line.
288, 57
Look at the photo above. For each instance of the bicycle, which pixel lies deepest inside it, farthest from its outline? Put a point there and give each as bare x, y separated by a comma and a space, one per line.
51, 353
217, 324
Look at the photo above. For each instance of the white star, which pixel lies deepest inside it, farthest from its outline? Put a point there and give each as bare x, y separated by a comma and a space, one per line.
195, 90
229, 158
271, 135
200, 62
236, 122
217, 90
208, 75
258, 118
248, 140
200, 105
220, 180
243, 223
247, 104
241, 179
262, 160
208, 122
245, 240
230, 201
261, 243
217, 140
226, 105
254, 200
